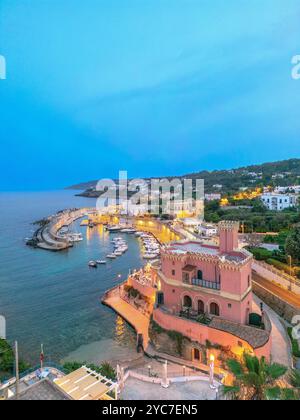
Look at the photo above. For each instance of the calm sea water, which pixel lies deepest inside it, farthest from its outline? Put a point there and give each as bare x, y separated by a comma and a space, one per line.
54, 298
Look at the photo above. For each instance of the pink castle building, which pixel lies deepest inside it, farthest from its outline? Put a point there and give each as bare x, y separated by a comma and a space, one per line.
205, 293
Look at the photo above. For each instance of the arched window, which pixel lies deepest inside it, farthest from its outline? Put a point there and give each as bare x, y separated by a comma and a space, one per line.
199, 275
214, 309
200, 307
187, 302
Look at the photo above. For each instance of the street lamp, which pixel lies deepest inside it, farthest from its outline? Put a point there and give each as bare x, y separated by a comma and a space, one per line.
211, 371
291, 269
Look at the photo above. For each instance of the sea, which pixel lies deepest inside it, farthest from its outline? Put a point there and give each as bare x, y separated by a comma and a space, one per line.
54, 298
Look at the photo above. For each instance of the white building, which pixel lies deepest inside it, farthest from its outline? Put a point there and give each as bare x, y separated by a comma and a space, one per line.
207, 230
290, 188
212, 197
279, 202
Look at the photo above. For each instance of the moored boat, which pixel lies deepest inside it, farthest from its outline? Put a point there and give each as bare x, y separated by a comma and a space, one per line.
92, 264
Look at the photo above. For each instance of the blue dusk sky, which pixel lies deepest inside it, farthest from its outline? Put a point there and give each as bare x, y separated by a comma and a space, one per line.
155, 87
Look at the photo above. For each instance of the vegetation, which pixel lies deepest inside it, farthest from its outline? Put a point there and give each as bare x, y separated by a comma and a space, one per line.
256, 218
255, 379
203, 319
295, 380
232, 180
105, 369
178, 338
6, 357
278, 259
7, 360
292, 245
295, 345
132, 292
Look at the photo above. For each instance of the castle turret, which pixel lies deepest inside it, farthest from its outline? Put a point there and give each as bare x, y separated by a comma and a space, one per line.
229, 236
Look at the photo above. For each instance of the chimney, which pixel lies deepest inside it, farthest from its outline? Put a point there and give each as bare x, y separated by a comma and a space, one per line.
229, 236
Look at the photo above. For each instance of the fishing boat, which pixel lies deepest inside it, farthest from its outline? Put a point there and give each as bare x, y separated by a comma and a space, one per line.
111, 256
101, 262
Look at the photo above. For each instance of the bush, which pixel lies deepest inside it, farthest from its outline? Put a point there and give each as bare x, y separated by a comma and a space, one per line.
6, 357
105, 369
178, 337
295, 345
261, 254
280, 265
203, 319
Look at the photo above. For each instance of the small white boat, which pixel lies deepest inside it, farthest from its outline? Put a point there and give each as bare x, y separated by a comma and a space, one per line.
92, 264
150, 256
128, 230
101, 261
114, 228
75, 237
111, 256
118, 253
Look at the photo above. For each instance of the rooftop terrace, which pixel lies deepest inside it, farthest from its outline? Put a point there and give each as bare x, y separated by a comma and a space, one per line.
199, 248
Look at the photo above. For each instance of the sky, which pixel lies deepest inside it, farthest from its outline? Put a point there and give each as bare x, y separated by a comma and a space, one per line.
154, 87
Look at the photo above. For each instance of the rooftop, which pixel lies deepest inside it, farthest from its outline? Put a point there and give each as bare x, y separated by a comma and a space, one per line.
199, 248
44, 390
85, 384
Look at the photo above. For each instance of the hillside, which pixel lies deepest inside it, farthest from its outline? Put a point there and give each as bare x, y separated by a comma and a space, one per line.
281, 173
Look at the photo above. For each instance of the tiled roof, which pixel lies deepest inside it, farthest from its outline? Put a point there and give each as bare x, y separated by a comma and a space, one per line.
252, 335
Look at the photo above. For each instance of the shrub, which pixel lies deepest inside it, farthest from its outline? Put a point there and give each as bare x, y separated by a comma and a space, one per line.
178, 338
203, 319
105, 369
295, 345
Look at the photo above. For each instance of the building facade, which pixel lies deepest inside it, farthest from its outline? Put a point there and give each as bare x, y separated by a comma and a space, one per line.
279, 202
213, 283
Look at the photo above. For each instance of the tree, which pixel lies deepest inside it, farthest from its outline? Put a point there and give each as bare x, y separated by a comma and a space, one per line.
255, 379
292, 245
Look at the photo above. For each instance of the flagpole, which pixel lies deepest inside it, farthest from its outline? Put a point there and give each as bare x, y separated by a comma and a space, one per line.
42, 356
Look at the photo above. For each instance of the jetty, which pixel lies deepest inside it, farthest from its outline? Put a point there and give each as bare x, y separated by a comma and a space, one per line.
46, 236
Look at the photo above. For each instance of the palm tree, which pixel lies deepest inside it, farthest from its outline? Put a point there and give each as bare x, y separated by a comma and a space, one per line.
295, 381
255, 379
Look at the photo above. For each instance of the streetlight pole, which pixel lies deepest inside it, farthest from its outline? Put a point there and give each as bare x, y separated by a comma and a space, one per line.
211, 371
17, 368
291, 262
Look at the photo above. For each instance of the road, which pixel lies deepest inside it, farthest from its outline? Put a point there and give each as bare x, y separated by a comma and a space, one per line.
283, 294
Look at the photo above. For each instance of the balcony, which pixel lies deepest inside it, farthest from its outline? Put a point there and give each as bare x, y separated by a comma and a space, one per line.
207, 284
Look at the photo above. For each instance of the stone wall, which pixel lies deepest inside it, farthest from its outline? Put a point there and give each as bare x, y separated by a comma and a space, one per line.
282, 308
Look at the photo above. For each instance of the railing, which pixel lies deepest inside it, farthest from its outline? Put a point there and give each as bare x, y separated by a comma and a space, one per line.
207, 284
278, 272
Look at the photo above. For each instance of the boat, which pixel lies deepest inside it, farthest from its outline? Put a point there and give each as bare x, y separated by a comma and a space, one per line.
149, 256
111, 256
93, 264
75, 237
101, 261
113, 228
118, 253
128, 230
